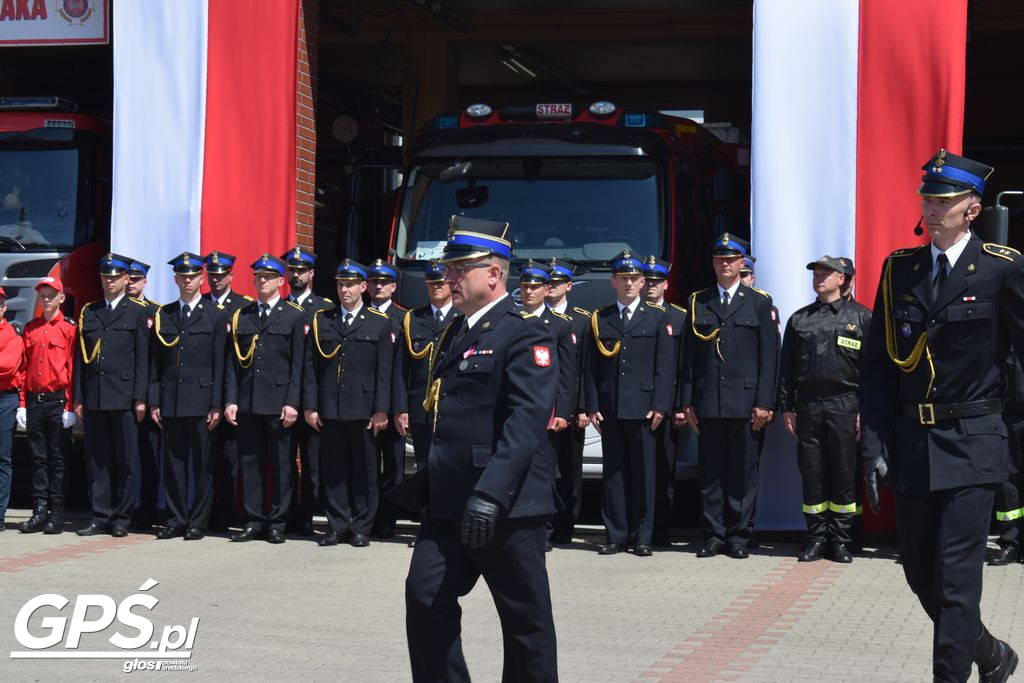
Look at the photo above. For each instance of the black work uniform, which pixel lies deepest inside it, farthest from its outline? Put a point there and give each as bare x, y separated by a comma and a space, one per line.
938, 419
187, 382
110, 375
262, 376
347, 379
624, 387
818, 380
728, 366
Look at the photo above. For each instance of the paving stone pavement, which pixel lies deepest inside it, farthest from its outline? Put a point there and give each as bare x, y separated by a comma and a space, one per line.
298, 611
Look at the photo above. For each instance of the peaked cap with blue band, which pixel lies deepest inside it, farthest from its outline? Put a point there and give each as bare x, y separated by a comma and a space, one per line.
186, 263
950, 175
474, 238
433, 272
268, 264
561, 271
350, 270
626, 263
728, 244
533, 273
380, 270
218, 262
656, 268
138, 268
748, 265
114, 264
299, 257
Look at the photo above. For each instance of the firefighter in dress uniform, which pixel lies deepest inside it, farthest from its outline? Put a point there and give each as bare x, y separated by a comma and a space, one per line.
944, 318
148, 483
488, 484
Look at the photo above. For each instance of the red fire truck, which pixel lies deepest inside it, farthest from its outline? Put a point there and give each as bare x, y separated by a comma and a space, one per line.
576, 182
55, 181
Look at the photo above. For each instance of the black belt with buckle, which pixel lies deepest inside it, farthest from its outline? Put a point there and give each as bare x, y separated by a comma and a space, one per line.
930, 413
31, 397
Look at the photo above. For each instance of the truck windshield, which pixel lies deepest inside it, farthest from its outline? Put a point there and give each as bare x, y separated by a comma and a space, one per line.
38, 198
587, 209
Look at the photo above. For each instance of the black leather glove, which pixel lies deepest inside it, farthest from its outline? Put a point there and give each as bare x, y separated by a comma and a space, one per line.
875, 470
478, 521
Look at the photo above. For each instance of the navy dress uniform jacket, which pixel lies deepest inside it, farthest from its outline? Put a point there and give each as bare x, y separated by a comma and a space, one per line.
627, 386
117, 375
232, 302
313, 303
736, 370
498, 384
411, 374
560, 329
270, 376
348, 372
187, 376
979, 311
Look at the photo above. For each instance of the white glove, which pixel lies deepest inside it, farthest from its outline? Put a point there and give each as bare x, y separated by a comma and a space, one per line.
20, 417
67, 419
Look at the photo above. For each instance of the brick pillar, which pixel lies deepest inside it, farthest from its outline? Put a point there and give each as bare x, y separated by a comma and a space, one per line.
305, 143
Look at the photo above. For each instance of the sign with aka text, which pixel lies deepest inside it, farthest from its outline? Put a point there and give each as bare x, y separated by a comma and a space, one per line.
54, 22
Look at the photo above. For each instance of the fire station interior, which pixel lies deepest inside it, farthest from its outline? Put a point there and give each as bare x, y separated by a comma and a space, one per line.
383, 68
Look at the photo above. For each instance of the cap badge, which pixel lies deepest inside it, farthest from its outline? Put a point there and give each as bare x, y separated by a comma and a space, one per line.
939, 161
216, 257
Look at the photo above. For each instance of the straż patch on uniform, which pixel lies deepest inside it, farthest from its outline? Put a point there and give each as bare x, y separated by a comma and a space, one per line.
541, 356
668, 328
307, 329
573, 335
392, 337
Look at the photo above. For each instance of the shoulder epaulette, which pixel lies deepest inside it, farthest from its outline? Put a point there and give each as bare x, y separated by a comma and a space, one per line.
1008, 253
247, 297
700, 291
295, 306
678, 307
327, 300
604, 308
373, 310
905, 252
147, 300
398, 307
140, 302
581, 311
92, 303
521, 313
763, 293
220, 306
563, 316
656, 307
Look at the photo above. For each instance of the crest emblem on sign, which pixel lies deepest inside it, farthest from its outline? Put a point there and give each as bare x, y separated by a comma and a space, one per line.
541, 356
75, 11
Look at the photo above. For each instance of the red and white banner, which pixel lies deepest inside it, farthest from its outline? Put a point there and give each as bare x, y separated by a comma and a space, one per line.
850, 99
204, 132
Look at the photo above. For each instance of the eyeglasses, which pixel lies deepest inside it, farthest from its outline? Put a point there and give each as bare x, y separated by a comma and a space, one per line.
456, 273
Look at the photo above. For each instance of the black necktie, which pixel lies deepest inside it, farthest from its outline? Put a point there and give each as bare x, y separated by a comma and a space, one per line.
264, 312
438, 317
348, 319
940, 277
725, 299
625, 315
110, 307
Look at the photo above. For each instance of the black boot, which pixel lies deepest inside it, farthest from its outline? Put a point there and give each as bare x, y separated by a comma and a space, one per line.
37, 521
55, 524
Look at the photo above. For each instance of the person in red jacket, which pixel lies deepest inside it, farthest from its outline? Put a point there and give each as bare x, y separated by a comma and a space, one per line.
46, 408
12, 352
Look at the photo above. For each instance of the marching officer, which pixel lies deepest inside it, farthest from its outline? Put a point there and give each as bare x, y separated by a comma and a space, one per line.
220, 271
110, 385
1008, 504
666, 436
534, 280
347, 395
729, 367
186, 384
381, 286
818, 382
629, 391
303, 461
47, 408
262, 389
147, 483
488, 480
421, 328
945, 316
569, 442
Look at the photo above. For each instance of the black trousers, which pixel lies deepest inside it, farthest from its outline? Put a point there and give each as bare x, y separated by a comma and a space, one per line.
348, 475
304, 475
227, 473
47, 440
187, 444
568, 447
666, 444
443, 570
112, 452
728, 451
826, 455
147, 484
1009, 512
263, 444
391, 447
627, 463
421, 432
942, 538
